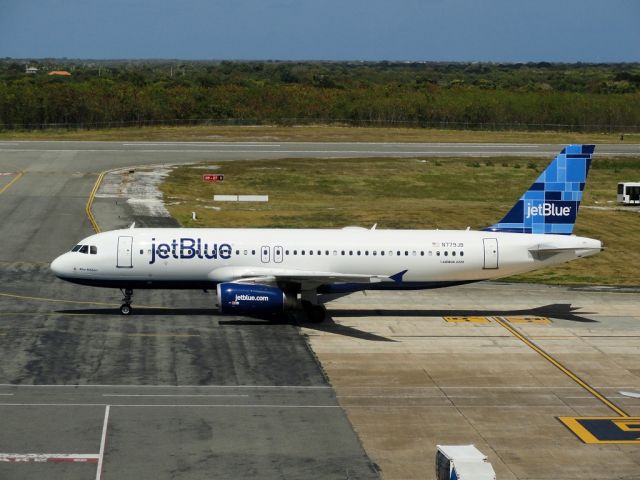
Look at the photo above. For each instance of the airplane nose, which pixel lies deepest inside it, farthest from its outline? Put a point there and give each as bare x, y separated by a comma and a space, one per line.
58, 266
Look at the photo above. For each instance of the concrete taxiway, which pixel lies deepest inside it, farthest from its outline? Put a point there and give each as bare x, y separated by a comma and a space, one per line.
177, 391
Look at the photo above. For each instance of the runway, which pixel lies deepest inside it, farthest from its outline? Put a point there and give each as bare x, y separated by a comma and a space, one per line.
166, 151
177, 391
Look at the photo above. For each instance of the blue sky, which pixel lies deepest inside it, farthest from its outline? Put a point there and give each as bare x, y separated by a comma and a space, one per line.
415, 30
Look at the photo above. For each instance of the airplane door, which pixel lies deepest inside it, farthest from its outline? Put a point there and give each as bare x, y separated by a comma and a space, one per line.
264, 254
124, 252
277, 254
490, 253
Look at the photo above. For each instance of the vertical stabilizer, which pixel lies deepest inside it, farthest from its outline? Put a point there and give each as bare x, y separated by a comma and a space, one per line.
551, 203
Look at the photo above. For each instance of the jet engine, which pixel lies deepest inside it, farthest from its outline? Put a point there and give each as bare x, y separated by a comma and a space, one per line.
245, 298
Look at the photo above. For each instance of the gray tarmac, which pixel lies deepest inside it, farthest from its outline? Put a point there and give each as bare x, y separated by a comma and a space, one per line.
189, 394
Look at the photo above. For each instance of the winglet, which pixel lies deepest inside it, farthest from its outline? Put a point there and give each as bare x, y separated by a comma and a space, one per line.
398, 276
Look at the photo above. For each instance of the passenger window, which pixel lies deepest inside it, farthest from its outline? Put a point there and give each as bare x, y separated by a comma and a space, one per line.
421, 253
366, 252
141, 252
342, 252
359, 252
245, 252
286, 252
320, 252
453, 254
462, 254
438, 253
237, 252
398, 253
350, 252
253, 252
406, 253
375, 253
302, 252
446, 254
84, 249
295, 252
326, 252
310, 252
382, 252
76, 248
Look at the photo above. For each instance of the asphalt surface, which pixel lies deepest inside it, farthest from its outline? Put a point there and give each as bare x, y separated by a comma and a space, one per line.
189, 394
171, 151
175, 391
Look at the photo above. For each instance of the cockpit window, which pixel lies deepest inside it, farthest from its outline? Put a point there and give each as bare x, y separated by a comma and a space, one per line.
84, 249
93, 249
76, 248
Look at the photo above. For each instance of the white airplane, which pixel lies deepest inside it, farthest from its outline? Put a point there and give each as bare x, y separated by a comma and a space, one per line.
265, 271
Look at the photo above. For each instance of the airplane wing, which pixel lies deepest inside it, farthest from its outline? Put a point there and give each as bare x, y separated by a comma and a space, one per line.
271, 275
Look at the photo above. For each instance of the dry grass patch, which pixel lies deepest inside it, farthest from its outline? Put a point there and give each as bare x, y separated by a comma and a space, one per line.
422, 193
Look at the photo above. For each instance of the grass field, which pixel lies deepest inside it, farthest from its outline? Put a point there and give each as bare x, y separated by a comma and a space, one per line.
411, 193
314, 133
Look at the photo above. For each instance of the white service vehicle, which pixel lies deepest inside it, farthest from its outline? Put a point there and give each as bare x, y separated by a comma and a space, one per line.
629, 193
265, 271
462, 462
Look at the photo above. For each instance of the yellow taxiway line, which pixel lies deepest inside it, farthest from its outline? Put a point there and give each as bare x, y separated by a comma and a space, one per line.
561, 367
8, 185
87, 208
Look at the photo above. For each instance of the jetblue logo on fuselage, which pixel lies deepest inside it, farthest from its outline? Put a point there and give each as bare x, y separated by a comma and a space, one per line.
187, 248
548, 210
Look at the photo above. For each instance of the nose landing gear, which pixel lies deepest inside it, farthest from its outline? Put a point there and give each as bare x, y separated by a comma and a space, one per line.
125, 308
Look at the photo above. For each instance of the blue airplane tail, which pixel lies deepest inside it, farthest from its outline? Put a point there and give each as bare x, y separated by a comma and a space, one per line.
551, 203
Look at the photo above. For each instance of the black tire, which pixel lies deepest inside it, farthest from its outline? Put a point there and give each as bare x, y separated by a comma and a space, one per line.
125, 309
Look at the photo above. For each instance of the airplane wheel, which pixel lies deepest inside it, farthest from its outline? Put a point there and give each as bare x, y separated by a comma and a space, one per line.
125, 309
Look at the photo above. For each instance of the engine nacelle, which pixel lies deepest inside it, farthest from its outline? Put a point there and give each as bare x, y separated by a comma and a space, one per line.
244, 298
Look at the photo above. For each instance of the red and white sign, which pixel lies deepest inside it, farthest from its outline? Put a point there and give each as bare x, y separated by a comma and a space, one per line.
213, 177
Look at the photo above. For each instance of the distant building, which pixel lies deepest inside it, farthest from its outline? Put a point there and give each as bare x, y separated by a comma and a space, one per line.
31, 70
62, 73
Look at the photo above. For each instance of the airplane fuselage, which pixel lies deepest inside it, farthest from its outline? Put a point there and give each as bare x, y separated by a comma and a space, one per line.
202, 258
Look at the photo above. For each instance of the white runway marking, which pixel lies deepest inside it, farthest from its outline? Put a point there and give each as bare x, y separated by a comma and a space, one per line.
102, 442
48, 457
175, 386
203, 144
168, 395
186, 405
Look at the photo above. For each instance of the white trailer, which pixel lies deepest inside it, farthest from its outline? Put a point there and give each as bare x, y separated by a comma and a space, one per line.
629, 193
462, 462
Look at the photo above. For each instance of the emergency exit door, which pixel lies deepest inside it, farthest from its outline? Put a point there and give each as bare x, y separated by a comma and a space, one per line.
490, 253
124, 252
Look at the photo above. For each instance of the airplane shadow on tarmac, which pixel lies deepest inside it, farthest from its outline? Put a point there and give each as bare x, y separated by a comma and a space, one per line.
561, 311
328, 325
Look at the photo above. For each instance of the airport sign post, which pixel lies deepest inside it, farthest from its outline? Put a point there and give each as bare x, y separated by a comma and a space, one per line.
213, 177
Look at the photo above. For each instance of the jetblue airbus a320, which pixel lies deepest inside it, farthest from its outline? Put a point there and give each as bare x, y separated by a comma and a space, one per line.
266, 271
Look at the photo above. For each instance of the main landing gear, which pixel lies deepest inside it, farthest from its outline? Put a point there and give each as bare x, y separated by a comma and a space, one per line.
125, 308
316, 313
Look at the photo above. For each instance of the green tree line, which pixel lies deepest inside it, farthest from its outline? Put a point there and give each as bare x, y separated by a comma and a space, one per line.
572, 97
